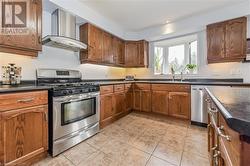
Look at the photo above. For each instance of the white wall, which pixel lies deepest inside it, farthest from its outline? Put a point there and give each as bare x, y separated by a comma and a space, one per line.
58, 58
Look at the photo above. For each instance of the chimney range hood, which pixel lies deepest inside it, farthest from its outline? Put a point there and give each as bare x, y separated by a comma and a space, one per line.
63, 32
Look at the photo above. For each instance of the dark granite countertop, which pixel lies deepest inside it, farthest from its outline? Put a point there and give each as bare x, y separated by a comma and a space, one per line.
31, 85
234, 105
21, 88
219, 82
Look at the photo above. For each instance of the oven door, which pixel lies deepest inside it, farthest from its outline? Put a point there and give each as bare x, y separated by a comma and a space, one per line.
75, 112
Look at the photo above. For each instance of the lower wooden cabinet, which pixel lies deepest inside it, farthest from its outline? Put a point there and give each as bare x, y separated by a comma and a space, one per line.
160, 102
24, 134
179, 104
129, 100
119, 103
115, 102
106, 109
145, 100
137, 100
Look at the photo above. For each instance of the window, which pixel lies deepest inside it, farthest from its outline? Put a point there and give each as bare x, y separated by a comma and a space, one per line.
158, 51
177, 55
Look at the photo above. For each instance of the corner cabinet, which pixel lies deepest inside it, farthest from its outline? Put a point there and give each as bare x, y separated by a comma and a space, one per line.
136, 53
24, 127
30, 43
226, 41
107, 49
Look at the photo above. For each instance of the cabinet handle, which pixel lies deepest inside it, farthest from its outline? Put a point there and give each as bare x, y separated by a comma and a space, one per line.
25, 100
221, 134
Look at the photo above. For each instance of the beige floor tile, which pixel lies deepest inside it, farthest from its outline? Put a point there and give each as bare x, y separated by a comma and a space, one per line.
177, 130
173, 140
124, 154
196, 147
191, 159
146, 142
99, 159
56, 161
79, 153
154, 161
98, 140
168, 153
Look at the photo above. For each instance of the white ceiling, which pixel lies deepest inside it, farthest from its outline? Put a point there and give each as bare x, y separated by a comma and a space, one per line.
136, 15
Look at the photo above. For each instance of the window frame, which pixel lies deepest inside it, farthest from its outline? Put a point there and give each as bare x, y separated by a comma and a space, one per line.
187, 58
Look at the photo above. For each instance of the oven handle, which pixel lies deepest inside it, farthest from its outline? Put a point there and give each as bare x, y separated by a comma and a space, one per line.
74, 99
77, 133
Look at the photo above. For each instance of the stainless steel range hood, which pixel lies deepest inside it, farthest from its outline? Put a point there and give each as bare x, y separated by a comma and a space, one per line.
63, 32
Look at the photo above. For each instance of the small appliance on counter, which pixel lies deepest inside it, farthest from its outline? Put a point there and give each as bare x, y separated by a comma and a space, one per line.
11, 74
129, 78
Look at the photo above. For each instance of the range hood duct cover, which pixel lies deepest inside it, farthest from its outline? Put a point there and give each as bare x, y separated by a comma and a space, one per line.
63, 32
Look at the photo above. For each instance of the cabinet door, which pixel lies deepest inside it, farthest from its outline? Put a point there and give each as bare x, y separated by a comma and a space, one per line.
107, 48
119, 103
131, 53
25, 134
160, 102
137, 100
106, 108
236, 38
129, 100
95, 49
32, 39
179, 104
215, 42
121, 56
145, 100
143, 53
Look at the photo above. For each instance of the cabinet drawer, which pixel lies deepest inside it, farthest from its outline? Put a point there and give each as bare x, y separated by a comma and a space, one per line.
171, 87
12, 101
106, 89
142, 86
231, 149
128, 86
119, 87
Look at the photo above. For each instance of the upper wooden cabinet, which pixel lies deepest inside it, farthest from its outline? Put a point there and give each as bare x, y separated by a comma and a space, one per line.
92, 36
107, 49
136, 53
31, 42
226, 41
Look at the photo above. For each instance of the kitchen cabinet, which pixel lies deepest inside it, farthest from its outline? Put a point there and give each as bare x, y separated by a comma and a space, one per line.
129, 97
119, 103
24, 127
107, 56
226, 146
107, 49
30, 43
179, 104
226, 41
93, 37
142, 97
136, 53
160, 102
118, 51
113, 103
106, 105
131, 53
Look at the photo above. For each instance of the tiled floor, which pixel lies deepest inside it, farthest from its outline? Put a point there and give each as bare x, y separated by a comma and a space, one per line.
139, 140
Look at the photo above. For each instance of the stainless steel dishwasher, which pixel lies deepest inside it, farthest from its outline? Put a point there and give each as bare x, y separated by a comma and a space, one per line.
198, 106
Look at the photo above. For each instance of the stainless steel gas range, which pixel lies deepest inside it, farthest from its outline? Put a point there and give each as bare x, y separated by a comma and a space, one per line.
75, 108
